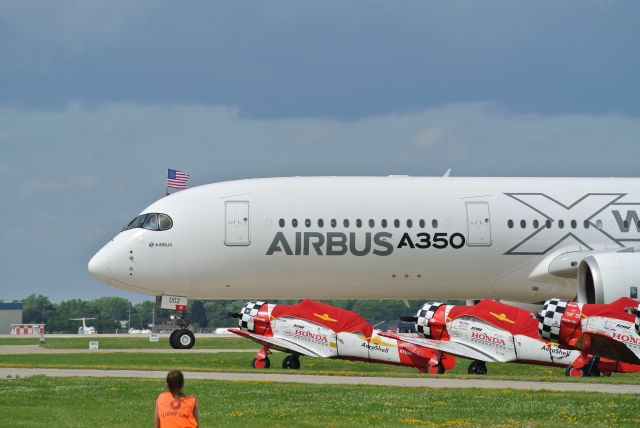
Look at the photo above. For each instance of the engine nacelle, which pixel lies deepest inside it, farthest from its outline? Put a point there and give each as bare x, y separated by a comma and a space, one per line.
430, 320
560, 321
255, 317
605, 277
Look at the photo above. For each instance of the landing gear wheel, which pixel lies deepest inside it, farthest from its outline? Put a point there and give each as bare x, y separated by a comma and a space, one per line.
291, 362
477, 368
172, 340
261, 364
183, 339
591, 369
571, 371
437, 369
295, 362
286, 362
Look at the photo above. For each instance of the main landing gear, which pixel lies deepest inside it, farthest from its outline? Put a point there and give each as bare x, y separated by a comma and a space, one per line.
261, 360
477, 368
584, 367
291, 362
435, 365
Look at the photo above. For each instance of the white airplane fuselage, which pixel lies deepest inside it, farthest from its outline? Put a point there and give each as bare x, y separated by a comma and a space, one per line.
455, 238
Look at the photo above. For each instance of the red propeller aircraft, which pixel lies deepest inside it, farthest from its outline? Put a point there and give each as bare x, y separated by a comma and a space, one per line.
600, 332
315, 329
494, 332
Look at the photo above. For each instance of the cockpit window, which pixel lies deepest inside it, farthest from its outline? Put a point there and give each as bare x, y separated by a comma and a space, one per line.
136, 222
151, 221
165, 222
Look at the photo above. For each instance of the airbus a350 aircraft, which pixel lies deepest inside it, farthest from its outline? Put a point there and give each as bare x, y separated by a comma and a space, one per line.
400, 237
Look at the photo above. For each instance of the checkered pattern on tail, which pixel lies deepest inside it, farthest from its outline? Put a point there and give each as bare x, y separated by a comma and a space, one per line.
249, 311
425, 313
638, 320
549, 325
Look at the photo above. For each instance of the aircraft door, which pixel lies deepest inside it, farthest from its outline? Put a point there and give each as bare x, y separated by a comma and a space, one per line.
478, 224
236, 223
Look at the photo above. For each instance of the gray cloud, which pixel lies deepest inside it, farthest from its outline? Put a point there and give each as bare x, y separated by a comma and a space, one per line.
345, 60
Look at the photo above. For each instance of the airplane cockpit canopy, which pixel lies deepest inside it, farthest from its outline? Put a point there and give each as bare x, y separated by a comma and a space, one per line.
150, 221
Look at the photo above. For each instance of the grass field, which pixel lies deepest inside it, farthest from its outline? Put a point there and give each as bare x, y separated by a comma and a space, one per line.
241, 362
127, 342
84, 402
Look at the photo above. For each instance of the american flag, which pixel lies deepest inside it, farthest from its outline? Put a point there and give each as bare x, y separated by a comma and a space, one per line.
177, 179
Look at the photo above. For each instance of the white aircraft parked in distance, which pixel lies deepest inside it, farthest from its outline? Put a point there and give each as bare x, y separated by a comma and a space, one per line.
398, 237
84, 329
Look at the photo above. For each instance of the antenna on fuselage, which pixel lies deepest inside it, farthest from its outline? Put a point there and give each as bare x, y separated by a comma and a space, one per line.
447, 173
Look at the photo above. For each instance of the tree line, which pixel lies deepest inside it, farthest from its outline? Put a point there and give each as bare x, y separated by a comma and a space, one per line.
110, 311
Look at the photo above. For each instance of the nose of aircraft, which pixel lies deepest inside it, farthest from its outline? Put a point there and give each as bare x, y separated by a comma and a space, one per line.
100, 267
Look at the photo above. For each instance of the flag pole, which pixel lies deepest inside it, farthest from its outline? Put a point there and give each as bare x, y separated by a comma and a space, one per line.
167, 184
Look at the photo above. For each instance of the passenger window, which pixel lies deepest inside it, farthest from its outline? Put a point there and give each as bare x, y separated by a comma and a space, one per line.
358, 223
409, 224
151, 223
574, 224
320, 222
281, 222
625, 224
396, 223
334, 223
561, 224
599, 224
548, 224
307, 222
586, 224
434, 223
523, 223
383, 223
536, 224
294, 222
510, 224
372, 223
421, 223
166, 223
345, 222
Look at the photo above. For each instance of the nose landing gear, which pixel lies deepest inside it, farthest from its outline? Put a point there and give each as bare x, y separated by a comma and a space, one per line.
182, 337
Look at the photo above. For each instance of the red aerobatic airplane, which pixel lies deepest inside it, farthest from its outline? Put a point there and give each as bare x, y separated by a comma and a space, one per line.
493, 332
315, 329
597, 331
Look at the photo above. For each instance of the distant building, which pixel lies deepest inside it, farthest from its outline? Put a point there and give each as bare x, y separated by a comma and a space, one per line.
10, 313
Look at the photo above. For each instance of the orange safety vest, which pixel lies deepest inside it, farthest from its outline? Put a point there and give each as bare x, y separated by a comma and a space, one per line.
176, 413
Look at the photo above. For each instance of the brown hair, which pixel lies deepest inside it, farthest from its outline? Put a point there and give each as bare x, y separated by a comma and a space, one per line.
175, 382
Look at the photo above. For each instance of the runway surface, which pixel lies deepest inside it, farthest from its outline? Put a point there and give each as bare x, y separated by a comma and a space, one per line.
37, 349
426, 382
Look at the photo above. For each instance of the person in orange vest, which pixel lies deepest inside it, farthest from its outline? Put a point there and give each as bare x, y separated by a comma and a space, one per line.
174, 409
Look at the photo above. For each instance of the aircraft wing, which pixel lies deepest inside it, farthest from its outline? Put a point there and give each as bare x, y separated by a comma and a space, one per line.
446, 346
277, 343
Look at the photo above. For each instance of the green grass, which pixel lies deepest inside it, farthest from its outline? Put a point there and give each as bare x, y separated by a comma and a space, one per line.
91, 402
241, 362
129, 342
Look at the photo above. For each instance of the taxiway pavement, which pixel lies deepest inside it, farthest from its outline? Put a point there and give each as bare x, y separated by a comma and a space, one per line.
423, 382
37, 349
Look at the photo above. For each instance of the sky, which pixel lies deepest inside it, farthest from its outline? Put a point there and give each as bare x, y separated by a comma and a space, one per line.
99, 98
